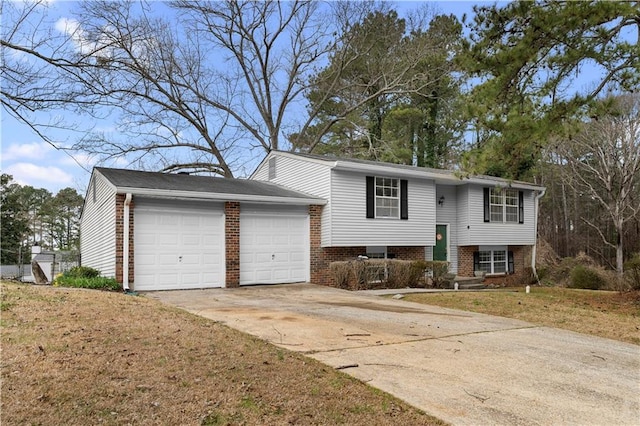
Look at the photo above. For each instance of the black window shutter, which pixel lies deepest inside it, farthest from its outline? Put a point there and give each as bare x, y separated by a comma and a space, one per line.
511, 266
487, 216
371, 197
404, 200
476, 261
521, 207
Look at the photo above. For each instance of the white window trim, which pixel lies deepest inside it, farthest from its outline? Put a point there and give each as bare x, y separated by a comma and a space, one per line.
503, 204
492, 250
377, 197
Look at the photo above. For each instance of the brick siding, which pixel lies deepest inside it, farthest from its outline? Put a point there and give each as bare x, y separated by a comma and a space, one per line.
337, 254
120, 239
232, 243
465, 260
521, 264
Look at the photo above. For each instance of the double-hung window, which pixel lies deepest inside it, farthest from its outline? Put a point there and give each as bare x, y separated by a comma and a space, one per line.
493, 260
387, 197
503, 205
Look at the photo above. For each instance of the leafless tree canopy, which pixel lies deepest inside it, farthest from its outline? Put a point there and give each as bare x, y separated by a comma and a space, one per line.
601, 166
201, 91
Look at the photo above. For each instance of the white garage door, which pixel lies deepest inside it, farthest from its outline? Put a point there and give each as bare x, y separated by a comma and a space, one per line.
178, 248
274, 246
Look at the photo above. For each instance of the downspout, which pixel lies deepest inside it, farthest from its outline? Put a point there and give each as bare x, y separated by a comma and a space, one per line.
125, 245
535, 233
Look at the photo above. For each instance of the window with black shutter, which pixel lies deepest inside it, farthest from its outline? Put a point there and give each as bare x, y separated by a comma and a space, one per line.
387, 198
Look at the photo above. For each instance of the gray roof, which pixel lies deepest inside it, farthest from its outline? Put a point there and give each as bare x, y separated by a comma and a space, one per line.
137, 182
373, 163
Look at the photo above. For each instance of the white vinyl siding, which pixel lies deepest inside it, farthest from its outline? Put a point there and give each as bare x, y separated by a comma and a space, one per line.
472, 230
98, 227
306, 176
350, 227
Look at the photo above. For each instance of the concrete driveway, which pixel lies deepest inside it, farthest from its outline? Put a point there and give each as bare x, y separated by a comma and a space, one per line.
465, 368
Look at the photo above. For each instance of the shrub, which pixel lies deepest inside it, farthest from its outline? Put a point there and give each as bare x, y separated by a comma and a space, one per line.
632, 272
585, 277
96, 283
403, 273
85, 277
375, 273
341, 273
368, 273
439, 272
82, 272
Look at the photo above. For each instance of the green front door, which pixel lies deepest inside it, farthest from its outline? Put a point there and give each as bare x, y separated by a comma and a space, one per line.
440, 250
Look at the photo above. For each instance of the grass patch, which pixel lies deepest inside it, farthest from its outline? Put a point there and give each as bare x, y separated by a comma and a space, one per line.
78, 357
607, 314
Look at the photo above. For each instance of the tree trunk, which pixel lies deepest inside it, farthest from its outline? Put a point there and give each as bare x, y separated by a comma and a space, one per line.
619, 251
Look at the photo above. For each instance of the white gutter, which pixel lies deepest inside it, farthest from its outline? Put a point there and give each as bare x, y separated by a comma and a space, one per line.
535, 233
125, 244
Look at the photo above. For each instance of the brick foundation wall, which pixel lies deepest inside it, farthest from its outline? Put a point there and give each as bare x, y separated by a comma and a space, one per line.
338, 254
232, 243
120, 239
317, 263
465, 260
521, 264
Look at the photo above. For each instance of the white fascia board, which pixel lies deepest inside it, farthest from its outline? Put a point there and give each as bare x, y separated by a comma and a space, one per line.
166, 193
503, 183
392, 171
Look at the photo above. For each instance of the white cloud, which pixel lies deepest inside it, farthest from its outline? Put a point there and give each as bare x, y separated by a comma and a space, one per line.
73, 159
49, 177
72, 28
26, 151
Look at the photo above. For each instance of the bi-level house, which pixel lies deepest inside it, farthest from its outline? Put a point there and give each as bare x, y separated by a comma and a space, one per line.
478, 224
295, 215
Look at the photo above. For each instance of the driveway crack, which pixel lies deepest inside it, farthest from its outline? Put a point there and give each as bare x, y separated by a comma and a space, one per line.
443, 338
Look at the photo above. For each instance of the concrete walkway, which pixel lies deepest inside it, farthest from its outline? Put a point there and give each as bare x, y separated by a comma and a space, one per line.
465, 368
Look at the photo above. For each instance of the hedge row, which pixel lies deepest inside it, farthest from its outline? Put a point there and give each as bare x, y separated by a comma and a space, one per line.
387, 273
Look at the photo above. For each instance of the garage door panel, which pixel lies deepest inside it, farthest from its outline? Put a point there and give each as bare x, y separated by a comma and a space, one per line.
191, 240
168, 219
178, 249
297, 257
190, 259
269, 244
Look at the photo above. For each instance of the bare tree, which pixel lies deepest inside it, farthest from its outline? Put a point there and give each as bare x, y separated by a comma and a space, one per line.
33, 59
603, 164
202, 91
199, 91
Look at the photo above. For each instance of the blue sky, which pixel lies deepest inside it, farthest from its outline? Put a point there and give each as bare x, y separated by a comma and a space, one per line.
34, 162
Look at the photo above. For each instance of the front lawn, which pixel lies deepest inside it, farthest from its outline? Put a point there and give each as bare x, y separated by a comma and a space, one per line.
601, 313
86, 357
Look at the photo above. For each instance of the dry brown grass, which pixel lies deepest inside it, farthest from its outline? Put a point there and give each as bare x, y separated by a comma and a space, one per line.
601, 313
79, 357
